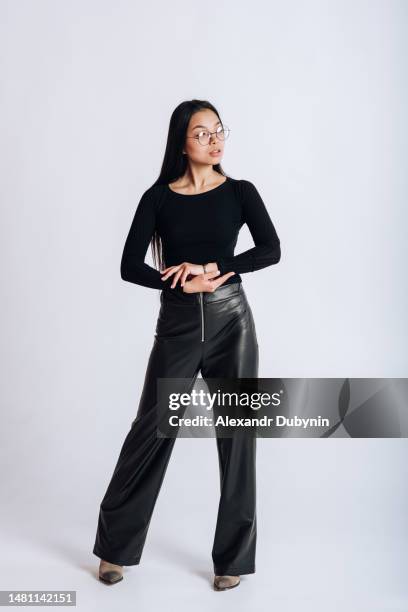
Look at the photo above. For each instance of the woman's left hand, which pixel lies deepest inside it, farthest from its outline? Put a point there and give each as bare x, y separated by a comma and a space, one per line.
182, 271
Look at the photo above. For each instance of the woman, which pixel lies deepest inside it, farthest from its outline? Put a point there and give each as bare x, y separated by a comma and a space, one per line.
192, 214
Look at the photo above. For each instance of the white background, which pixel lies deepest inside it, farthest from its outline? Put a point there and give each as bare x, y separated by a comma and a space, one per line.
315, 94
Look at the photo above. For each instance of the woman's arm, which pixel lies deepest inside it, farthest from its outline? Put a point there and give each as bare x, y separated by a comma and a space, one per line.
133, 268
266, 251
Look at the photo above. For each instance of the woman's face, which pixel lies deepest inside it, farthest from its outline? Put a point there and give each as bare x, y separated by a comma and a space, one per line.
203, 122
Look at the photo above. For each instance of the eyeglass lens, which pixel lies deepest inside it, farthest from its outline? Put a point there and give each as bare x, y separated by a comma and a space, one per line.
204, 136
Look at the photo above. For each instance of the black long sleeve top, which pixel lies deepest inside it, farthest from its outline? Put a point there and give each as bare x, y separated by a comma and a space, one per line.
200, 228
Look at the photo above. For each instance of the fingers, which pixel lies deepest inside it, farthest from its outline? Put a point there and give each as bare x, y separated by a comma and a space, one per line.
210, 275
183, 267
183, 278
171, 271
184, 275
176, 278
182, 271
186, 269
220, 280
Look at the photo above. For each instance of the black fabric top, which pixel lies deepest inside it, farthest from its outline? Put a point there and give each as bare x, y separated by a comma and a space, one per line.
200, 229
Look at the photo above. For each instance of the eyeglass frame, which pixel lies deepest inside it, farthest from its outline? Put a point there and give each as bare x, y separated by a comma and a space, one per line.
210, 134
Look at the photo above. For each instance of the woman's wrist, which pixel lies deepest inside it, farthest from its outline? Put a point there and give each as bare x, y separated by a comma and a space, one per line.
211, 267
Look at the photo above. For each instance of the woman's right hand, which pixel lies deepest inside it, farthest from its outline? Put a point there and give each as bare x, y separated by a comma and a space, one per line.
207, 282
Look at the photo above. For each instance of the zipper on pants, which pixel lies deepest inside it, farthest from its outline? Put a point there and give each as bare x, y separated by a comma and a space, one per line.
202, 316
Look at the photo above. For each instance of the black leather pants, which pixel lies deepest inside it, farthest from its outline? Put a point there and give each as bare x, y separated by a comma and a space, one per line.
214, 333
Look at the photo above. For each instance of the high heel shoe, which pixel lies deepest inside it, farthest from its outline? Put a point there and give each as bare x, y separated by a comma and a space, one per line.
109, 572
222, 583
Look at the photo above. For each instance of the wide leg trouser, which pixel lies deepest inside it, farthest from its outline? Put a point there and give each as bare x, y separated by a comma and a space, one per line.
213, 333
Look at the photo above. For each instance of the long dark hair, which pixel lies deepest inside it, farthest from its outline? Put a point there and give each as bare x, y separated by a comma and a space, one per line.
174, 162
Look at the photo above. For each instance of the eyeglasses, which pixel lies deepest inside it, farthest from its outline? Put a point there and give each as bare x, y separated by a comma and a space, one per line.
204, 137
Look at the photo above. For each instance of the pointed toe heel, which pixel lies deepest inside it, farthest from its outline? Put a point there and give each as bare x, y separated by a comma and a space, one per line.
110, 573
223, 583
